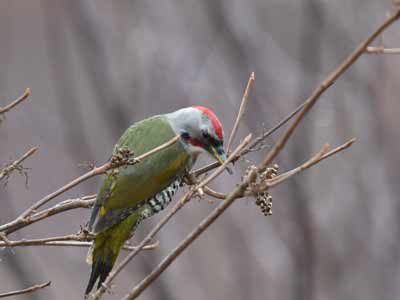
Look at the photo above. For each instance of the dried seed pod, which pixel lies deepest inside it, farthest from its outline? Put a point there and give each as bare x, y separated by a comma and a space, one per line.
264, 202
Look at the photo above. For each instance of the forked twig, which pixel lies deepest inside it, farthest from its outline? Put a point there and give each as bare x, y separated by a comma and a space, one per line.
6, 171
323, 154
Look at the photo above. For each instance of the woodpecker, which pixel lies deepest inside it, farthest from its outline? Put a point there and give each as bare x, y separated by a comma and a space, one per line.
139, 191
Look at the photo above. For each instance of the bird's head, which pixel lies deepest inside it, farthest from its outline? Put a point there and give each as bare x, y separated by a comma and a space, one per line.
201, 131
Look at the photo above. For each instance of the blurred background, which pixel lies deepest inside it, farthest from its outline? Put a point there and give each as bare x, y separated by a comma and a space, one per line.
95, 67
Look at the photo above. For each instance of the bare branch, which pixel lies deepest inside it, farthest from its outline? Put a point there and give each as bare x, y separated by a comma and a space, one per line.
73, 240
241, 111
214, 194
343, 67
15, 102
323, 154
27, 290
382, 50
83, 202
16, 165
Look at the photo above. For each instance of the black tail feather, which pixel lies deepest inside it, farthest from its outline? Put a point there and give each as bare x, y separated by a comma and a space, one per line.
101, 267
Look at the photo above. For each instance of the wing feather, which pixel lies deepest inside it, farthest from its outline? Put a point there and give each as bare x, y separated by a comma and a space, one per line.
123, 192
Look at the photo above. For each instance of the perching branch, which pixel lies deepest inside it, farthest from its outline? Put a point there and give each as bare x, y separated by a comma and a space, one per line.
237, 193
179, 204
83, 202
240, 192
27, 290
73, 240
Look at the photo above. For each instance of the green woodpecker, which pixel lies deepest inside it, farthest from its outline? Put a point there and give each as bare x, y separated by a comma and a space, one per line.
139, 191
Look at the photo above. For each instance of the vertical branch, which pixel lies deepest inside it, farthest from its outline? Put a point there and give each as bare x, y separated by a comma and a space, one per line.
241, 111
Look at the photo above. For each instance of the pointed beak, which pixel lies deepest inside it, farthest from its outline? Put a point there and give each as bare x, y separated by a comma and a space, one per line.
220, 156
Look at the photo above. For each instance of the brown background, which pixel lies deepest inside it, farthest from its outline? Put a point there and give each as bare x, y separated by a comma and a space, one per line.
95, 67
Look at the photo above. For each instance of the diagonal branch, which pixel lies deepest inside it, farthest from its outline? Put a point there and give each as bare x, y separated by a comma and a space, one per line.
15, 102
6, 171
190, 238
239, 192
330, 80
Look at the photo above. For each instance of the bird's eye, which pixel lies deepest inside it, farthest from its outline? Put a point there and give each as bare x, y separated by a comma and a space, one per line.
185, 135
205, 133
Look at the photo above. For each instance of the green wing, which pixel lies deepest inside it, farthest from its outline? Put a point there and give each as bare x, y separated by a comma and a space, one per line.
122, 193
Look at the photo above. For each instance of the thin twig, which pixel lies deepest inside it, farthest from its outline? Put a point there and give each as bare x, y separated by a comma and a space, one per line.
27, 290
214, 194
185, 199
73, 240
83, 202
190, 238
241, 111
323, 154
15, 102
347, 63
382, 50
95, 172
5, 172
266, 134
